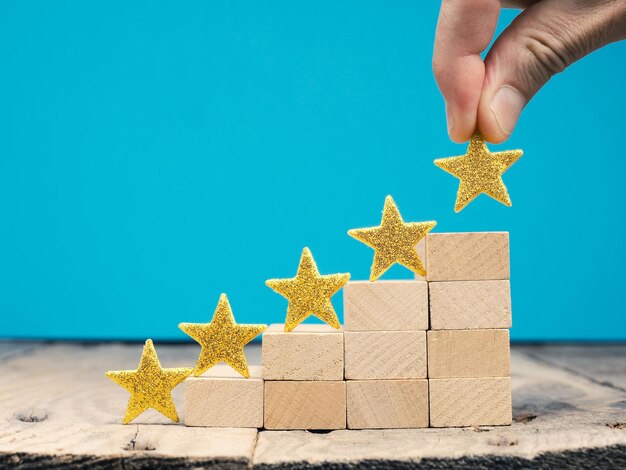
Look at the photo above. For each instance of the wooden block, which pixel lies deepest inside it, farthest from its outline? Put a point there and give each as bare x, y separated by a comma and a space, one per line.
472, 256
421, 252
223, 398
470, 402
468, 353
378, 404
385, 305
309, 352
458, 305
305, 405
385, 354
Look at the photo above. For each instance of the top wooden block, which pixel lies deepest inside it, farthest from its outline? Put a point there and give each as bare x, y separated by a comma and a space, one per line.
309, 352
302, 328
221, 397
224, 371
386, 305
421, 252
471, 256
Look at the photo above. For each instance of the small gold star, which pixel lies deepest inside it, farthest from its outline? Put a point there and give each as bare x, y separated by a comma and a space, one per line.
480, 171
309, 293
150, 386
222, 339
393, 241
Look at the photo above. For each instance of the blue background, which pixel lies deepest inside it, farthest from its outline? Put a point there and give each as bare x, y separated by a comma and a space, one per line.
156, 154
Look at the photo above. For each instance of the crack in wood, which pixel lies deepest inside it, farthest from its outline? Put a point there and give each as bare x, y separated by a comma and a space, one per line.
617, 425
524, 418
31, 416
133, 441
603, 383
502, 441
21, 351
137, 444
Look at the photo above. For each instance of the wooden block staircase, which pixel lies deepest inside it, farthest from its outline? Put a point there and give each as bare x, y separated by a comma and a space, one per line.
431, 351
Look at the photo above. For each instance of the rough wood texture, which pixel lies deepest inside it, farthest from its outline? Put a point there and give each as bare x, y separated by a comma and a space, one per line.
603, 363
458, 305
305, 405
385, 355
385, 305
9, 349
472, 256
468, 353
223, 398
470, 402
380, 404
561, 420
58, 410
310, 352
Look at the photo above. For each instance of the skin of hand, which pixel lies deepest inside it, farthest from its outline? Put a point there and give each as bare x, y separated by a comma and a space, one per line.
545, 38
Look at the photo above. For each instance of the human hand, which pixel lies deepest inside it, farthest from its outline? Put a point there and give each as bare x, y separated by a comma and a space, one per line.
542, 41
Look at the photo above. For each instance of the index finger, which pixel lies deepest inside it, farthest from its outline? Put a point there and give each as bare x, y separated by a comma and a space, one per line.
464, 30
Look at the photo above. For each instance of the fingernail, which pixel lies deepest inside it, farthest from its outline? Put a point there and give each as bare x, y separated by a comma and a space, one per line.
507, 105
450, 119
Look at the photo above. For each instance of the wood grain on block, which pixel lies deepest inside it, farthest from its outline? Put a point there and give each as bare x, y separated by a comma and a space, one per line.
468, 353
421, 252
385, 305
458, 305
470, 402
378, 404
385, 354
309, 352
305, 404
223, 398
471, 256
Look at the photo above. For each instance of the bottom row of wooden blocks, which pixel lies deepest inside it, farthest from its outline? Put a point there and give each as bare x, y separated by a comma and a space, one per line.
219, 401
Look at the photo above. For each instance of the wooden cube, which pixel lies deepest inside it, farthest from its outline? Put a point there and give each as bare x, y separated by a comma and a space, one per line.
305, 405
380, 404
473, 256
309, 352
385, 354
421, 252
385, 305
458, 305
223, 398
470, 402
468, 353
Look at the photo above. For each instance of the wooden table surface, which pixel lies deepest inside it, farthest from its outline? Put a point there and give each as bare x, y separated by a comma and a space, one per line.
57, 408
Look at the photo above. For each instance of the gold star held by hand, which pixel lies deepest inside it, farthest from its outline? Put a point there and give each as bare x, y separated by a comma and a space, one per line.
309, 293
150, 386
393, 241
222, 339
480, 171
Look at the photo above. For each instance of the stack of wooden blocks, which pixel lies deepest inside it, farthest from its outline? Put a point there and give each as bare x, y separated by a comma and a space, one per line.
304, 378
385, 354
468, 340
414, 353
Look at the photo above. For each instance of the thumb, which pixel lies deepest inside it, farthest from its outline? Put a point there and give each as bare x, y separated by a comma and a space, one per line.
542, 41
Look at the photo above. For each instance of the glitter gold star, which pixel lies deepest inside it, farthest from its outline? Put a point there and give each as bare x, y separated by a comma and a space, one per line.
309, 293
222, 339
394, 241
480, 171
150, 386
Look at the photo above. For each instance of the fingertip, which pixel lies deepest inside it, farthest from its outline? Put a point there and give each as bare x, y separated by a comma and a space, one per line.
463, 129
492, 136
